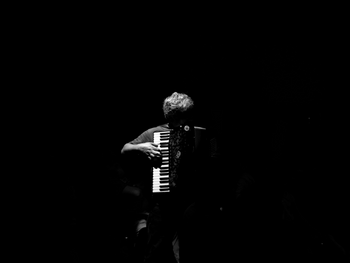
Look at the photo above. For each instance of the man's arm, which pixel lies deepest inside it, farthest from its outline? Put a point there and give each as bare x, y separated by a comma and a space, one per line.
151, 149
129, 147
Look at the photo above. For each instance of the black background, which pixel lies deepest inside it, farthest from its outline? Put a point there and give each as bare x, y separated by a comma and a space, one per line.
266, 89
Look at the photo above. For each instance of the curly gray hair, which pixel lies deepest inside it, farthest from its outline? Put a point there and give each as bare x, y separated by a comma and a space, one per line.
177, 106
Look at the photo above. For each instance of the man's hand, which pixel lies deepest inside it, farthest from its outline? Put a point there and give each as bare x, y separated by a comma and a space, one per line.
152, 151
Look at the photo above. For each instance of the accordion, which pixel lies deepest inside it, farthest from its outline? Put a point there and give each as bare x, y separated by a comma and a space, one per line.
177, 147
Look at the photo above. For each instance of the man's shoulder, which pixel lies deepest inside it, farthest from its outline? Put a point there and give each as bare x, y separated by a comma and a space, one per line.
149, 133
147, 136
160, 128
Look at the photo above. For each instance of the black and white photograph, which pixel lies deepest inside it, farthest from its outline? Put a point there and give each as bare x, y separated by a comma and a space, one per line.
191, 139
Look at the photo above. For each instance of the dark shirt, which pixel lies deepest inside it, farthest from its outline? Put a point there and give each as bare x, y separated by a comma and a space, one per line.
147, 136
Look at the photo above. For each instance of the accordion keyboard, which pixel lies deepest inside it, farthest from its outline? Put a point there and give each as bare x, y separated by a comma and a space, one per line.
160, 183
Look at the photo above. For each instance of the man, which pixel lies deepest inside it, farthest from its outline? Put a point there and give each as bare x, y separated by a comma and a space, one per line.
167, 209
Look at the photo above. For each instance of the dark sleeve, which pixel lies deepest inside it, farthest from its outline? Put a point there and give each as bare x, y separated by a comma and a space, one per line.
146, 136
136, 174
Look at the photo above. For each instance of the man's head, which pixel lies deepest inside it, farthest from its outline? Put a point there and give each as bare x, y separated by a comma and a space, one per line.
178, 109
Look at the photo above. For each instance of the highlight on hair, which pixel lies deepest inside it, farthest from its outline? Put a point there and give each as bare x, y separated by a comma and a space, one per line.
177, 105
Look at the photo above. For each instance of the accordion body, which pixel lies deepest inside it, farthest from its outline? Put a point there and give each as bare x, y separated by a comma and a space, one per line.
177, 148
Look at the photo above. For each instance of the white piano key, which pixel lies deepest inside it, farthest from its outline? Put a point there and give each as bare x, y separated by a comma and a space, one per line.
161, 186
161, 179
159, 191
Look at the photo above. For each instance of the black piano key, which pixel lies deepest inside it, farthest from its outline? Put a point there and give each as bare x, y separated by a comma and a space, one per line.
164, 180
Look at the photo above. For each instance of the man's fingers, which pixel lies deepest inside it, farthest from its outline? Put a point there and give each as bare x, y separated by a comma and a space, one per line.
156, 153
156, 150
